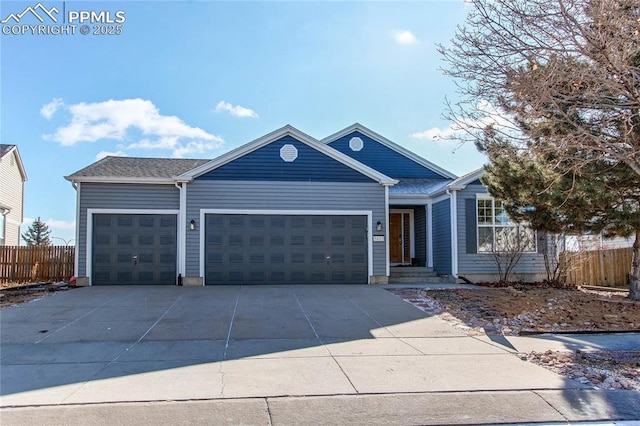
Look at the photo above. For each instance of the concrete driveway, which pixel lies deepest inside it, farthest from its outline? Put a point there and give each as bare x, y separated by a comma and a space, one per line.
131, 344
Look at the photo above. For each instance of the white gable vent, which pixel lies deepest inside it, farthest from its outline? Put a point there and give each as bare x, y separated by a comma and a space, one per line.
288, 153
356, 144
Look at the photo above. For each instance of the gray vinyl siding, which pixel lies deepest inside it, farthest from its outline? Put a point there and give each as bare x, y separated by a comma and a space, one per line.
441, 225
120, 196
252, 195
11, 194
420, 223
483, 263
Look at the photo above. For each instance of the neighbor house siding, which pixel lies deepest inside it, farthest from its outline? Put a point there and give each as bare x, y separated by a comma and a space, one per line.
383, 159
470, 262
252, 195
11, 194
120, 196
420, 223
441, 224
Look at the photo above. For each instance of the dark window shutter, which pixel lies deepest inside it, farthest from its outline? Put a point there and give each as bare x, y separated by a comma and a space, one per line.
471, 226
542, 241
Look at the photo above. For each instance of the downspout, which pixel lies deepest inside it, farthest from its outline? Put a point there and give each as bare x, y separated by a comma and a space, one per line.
454, 232
386, 229
76, 254
429, 207
182, 228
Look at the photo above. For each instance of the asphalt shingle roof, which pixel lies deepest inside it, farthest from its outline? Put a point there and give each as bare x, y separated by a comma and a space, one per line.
418, 186
135, 167
4, 149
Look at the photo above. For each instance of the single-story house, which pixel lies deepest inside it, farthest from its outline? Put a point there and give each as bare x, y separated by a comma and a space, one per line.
286, 208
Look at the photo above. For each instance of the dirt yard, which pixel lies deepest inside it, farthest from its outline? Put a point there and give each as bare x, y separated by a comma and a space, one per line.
13, 294
528, 309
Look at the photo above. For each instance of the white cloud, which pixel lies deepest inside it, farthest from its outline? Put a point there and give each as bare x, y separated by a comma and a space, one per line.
236, 111
114, 119
404, 37
48, 110
102, 154
444, 134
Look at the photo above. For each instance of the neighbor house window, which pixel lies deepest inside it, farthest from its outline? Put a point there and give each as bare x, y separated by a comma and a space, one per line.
2, 220
496, 233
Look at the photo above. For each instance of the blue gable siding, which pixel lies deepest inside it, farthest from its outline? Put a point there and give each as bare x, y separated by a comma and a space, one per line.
384, 159
442, 237
265, 164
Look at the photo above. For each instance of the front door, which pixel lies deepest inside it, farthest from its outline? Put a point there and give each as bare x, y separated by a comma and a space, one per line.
400, 237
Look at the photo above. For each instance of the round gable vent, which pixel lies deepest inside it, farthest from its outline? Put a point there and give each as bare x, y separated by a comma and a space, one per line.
356, 144
288, 153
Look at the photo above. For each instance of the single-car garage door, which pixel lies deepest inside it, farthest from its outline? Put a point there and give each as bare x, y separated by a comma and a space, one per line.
134, 249
285, 249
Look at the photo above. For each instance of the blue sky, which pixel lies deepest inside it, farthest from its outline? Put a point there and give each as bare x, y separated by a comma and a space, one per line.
198, 78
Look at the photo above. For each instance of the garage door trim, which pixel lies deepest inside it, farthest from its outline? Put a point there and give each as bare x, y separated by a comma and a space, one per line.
89, 238
367, 213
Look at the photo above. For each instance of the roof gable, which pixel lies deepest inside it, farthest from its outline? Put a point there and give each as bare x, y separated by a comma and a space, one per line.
469, 179
6, 151
261, 160
384, 155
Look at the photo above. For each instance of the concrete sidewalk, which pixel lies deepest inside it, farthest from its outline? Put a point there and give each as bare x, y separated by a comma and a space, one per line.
511, 407
254, 355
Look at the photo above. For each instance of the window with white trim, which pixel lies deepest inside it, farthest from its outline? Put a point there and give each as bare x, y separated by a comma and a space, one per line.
497, 233
2, 225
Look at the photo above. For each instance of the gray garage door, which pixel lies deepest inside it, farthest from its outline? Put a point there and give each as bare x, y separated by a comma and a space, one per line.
134, 249
281, 249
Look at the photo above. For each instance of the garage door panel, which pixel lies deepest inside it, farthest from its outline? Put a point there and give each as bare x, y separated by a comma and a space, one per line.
285, 249
134, 249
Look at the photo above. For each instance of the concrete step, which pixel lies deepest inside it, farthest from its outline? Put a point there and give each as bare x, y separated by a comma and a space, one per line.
424, 280
412, 272
412, 268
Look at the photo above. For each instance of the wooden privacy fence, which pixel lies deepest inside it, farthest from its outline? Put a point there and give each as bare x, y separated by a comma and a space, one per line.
36, 264
606, 268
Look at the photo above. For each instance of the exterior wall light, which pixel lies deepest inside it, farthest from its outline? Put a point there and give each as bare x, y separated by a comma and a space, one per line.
379, 226
192, 225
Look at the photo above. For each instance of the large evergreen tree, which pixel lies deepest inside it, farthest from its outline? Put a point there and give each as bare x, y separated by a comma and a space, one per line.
561, 81
37, 234
572, 196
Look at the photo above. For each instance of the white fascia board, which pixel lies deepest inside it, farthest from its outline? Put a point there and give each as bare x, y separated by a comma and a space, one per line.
19, 162
389, 144
114, 179
298, 135
462, 182
14, 151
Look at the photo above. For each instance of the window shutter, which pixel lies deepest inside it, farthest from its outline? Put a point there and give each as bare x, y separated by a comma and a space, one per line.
542, 241
471, 226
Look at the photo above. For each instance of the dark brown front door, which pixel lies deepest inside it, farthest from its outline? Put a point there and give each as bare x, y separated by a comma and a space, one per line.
399, 238
395, 237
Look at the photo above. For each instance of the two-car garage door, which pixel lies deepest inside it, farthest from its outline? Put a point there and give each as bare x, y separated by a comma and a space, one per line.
285, 249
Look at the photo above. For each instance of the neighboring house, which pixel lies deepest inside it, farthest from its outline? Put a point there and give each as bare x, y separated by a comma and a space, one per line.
12, 179
597, 242
285, 208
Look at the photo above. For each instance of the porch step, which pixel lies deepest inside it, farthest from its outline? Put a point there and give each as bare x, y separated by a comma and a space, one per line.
412, 271
413, 274
419, 280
